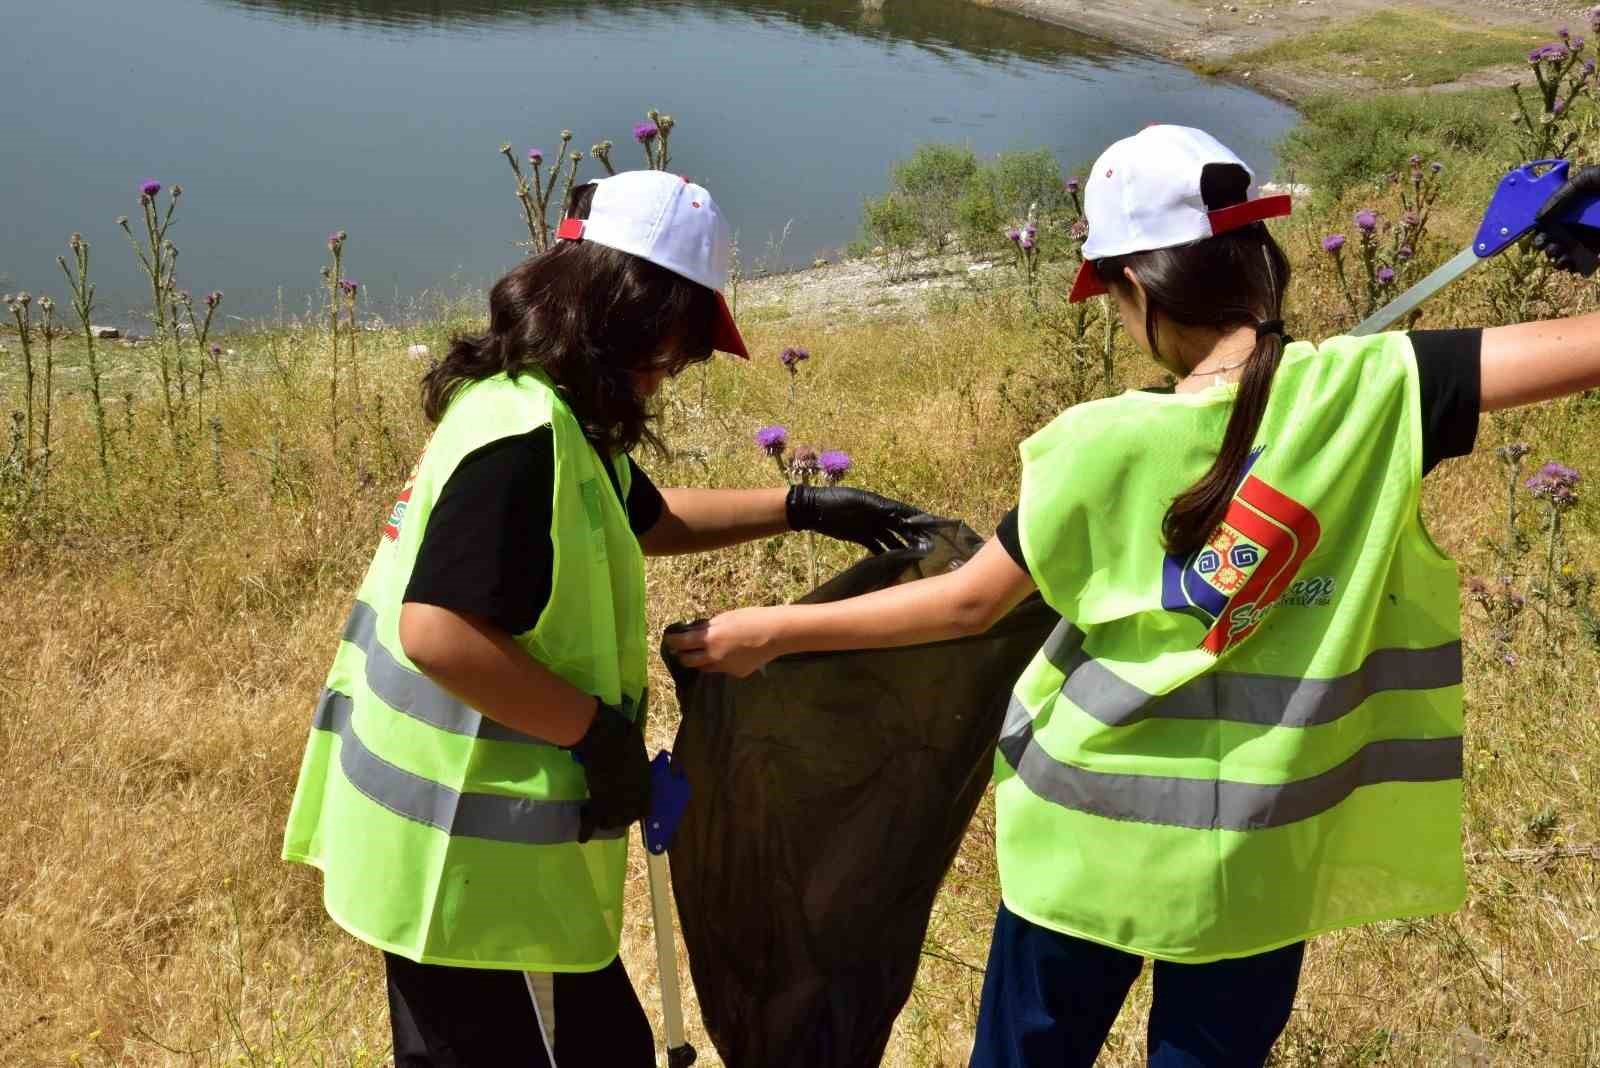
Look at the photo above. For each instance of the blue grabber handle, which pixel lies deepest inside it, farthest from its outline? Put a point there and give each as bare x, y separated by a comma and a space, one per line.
1512, 212
669, 796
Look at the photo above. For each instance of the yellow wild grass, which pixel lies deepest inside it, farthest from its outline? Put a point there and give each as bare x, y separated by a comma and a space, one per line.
166, 639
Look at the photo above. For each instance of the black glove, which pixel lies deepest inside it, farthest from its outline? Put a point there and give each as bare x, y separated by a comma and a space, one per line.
613, 757
1568, 246
855, 515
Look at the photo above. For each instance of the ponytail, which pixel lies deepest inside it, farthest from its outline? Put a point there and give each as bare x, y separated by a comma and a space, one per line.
1198, 510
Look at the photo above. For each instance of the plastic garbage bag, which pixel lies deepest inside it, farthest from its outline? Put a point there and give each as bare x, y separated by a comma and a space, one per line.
829, 795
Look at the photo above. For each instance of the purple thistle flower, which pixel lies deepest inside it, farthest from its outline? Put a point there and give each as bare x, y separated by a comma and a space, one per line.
1404, 253
149, 188
336, 239
1333, 243
835, 465
1026, 243
773, 440
1411, 219
1013, 234
1367, 220
1511, 659
1416, 161
791, 358
1564, 33
216, 350
214, 298
645, 131
1074, 184
1385, 275
349, 286
1436, 167
535, 155
1557, 483
1559, 106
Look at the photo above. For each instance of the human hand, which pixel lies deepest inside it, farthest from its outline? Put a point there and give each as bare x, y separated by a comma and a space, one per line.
735, 643
1570, 247
847, 514
613, 757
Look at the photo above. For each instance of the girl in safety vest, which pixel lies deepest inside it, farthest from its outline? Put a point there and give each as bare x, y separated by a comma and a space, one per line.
1246, 730
477, 756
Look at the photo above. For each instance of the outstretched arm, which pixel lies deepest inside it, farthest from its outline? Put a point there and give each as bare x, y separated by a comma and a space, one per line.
1529, 362
967, 601
694, 520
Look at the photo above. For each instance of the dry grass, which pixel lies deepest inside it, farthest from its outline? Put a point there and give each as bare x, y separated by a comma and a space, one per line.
166, 640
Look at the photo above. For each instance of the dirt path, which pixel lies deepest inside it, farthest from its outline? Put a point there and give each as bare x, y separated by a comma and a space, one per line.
1210, 33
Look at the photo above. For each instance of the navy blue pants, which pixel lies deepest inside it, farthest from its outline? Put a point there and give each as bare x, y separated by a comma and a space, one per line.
1049, 1001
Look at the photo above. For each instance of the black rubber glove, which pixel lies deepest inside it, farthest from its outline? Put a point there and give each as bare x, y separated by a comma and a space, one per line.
613, 757
1570, 247
854, 515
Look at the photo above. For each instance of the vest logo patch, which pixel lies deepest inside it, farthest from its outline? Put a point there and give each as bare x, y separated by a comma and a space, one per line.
397, 515
1249, 561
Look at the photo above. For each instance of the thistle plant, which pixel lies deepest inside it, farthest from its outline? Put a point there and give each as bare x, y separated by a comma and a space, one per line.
655, 136
47, 333
158, 256
1564, 76
19, 306
535, 189
200, 333
1557, 486
1502, 605
333, 275
792, 358
83, 304
802, 466
1511, 457
602, 152
1386, 252
1025, 252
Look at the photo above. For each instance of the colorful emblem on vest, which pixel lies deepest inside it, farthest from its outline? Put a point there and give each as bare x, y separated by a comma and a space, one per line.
1246, 565
397, 515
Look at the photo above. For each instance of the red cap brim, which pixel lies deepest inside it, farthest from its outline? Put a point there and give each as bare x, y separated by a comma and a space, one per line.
1087, 284
725, 336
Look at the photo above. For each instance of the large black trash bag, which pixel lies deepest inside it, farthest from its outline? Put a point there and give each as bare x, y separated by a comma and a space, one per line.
829, 795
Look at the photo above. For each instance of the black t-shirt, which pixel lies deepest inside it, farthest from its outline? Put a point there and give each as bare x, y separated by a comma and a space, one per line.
1449, 377
486, 550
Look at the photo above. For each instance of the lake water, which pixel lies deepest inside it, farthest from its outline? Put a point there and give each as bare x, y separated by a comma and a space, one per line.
286, 119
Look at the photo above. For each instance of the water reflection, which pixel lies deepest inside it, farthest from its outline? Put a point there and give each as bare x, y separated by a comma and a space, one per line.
938, 25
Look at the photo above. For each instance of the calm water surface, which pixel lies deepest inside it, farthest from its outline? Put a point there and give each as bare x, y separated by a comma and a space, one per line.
285, 119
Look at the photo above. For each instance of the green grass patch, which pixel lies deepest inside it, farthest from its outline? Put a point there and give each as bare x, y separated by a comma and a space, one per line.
1397, 48
1344, 142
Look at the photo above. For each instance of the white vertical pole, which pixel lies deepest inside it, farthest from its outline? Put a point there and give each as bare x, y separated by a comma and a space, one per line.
666, 950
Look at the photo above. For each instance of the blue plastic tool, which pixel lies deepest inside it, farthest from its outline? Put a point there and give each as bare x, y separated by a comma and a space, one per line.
669, 796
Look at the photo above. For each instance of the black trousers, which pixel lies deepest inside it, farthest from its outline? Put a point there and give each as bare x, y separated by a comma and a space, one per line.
446, 1017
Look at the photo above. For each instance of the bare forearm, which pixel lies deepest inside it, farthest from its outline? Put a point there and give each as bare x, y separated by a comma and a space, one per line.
483, 667
1531, 362
696, 520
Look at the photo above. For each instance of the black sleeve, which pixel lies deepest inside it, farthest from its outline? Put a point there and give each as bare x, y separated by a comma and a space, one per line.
1450, 379
1009, 535
645, 503
487, 550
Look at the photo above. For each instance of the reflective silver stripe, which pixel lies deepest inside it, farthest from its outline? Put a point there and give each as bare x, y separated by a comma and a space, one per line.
1268, 700
415, 695
1219, 804
521, 820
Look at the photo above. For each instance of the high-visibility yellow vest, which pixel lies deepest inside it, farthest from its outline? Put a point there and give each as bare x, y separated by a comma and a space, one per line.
1223, 753
444, 836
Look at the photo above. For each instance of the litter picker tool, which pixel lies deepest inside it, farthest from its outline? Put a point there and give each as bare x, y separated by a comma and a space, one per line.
669, 796
1511, 214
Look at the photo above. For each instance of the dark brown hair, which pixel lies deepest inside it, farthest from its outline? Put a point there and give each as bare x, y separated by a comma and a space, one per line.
1235, 279
589, 317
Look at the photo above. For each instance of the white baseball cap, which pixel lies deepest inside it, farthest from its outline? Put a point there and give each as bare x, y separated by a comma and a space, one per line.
673, 223
1144, 194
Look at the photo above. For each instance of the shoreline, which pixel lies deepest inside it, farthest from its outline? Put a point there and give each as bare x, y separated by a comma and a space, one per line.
1207, 35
